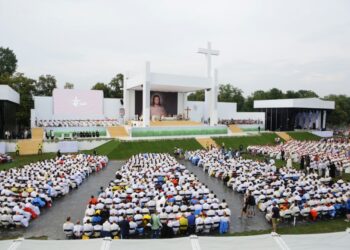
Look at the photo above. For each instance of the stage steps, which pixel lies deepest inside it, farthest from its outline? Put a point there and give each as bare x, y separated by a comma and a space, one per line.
38, 133
284, 136
235, 129
117, 131
29, 146
206, 141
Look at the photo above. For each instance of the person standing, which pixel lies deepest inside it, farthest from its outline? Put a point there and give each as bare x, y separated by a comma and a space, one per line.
156, 225
302, 163
332, 170
275, 217
348, 209
124, 228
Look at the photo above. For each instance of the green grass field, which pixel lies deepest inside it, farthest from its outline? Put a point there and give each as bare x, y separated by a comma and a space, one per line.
236, 141
325, 226
116, 150
20, 161
304, 136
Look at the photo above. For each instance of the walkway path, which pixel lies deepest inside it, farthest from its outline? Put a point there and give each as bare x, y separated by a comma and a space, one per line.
50, 222
234, 200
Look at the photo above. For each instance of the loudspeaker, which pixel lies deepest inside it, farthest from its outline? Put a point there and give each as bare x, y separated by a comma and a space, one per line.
121, 102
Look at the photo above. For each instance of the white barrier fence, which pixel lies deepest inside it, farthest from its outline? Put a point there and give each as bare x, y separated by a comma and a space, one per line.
328, 241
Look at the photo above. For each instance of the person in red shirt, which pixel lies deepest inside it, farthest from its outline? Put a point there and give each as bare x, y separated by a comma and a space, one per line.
93, 200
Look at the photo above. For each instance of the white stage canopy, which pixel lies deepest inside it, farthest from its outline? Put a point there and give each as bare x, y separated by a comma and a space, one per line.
333, 241
8, 94
307, 103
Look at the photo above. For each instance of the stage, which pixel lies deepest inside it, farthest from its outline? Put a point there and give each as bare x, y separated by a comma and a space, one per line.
174, 128
175, 123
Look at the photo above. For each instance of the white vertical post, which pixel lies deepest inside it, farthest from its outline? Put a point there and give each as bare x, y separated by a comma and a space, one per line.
319, 121
146, 112
131, 104
126, 100
207, 98
181, 106
208, 52
214, 100
324, 119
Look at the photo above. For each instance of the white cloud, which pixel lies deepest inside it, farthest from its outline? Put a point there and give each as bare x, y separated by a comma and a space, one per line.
263, 44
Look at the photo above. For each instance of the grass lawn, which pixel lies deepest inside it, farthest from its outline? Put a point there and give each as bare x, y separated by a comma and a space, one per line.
303, 136
278, 163
236, 141
105, 149
326, 226
20, 161
116, 150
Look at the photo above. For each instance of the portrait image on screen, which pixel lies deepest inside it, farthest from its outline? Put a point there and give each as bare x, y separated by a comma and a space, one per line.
162, 104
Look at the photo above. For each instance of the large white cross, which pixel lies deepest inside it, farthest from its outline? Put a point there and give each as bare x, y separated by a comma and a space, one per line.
208, 52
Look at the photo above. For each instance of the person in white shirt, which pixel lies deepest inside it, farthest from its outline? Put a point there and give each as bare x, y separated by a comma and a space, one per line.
68, 227
106, 229
78, 230
88, 228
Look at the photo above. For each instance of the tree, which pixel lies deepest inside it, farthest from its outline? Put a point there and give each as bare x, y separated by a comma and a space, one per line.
104, 87
306, 93
8, 62
229, 93
341, 114
69, 85
116, 85
196, 96
275, 94
25, 87
248, 105
45, 85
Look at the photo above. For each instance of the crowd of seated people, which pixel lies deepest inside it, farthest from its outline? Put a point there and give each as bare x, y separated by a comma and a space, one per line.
77, 123
4, 158
26, 191
295, 192
228, 122
314, 154
152, 195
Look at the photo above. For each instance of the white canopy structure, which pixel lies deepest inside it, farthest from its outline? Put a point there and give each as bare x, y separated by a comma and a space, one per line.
8, 94
333, 241
180, 84
299, 113
152, 81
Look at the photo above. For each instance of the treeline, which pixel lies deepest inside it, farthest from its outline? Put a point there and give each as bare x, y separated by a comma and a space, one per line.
43, 86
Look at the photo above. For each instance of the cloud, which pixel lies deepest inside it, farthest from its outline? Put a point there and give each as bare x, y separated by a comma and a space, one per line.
263, 44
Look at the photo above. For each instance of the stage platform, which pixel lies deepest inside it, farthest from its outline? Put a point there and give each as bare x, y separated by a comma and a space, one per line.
160, 131
175, 123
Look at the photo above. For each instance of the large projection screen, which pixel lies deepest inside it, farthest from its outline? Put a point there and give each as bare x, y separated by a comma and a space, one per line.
77, 103
167, 101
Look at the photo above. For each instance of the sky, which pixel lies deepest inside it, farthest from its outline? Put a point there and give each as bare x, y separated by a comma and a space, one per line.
291, 45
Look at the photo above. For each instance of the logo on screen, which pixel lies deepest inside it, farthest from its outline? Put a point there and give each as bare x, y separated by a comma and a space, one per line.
77, 102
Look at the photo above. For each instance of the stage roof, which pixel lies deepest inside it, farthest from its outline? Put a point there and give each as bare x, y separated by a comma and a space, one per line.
307, 103
8, 94
171, 83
